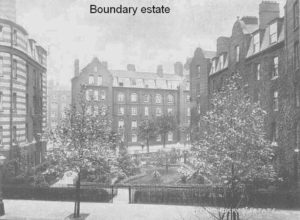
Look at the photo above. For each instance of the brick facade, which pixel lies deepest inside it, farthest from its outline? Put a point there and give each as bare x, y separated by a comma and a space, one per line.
134, 96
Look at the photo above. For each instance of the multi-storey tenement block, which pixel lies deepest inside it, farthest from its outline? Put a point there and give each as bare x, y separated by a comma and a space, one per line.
22, 91
133, 96
59, 100
265, 52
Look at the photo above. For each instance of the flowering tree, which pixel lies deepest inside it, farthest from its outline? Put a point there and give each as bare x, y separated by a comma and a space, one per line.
147, 131
231, 148
83, 142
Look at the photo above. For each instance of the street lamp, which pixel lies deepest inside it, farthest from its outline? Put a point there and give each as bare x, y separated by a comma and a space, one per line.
2, 160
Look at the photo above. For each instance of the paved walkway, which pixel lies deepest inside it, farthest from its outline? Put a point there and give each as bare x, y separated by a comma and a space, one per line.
122, 197
44, 210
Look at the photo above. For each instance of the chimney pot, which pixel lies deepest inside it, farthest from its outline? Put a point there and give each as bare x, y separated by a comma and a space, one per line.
131, 67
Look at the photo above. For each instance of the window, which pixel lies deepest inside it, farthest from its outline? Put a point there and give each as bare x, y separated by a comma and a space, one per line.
91, 79
15, 37
296, 14
121, 111
27, 132
1, 66
298, 96
256, 43
134, 124
121, 123
198, 69
146, 98
146, 111
1, 101
158, 112
257, 71
121, 97
170, 111
133, 138
275, 101
133, 82
188, 112
296, 55
275, 72
170, 99
27, 74
170, 136
187, 98
14, 104
1, 135
96, 95
99, 80
14, 134
1, 32
158, 99
133, 110
274, 132
237, 54
14, 69
158, 138
102, 95
273, 33
133, 97
221, 61
298, 135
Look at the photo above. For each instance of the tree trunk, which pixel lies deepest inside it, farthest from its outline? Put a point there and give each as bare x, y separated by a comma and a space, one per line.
164, 140
77, 200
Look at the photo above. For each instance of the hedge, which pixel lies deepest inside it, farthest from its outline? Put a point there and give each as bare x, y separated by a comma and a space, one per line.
55, 194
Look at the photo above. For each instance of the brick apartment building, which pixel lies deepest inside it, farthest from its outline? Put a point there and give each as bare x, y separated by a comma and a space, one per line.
59, 100
22, 89
133, 96
265, 52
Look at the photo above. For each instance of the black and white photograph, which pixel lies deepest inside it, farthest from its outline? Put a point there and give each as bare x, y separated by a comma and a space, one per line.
149, 110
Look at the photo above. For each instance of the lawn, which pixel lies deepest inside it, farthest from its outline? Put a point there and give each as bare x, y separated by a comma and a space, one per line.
170, 177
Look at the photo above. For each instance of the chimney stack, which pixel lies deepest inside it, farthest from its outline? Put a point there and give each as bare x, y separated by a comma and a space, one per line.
222, 45
160, 70
76, 67
268, 11
131, 67
178, 68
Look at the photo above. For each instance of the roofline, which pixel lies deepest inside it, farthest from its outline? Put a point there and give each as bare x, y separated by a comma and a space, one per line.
11, 23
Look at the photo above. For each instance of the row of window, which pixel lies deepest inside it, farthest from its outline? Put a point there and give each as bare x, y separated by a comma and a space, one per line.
274, 69
38, 77
14, 101
14, 134
94, 95
158, 111
92, 80
134, 137
146, 98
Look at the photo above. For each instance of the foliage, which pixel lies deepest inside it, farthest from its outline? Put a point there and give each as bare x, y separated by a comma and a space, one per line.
83, 143
126, 164
165, 124
184, 174
147, 131
156, 176
231, 148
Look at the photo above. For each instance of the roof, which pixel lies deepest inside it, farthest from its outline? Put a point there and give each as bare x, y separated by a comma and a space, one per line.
144, 75
248, 28
209, 54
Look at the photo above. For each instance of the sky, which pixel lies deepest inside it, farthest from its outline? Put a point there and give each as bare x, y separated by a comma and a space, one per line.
68, 31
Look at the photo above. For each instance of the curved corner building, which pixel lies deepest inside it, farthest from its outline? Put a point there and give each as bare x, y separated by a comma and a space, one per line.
22, 90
